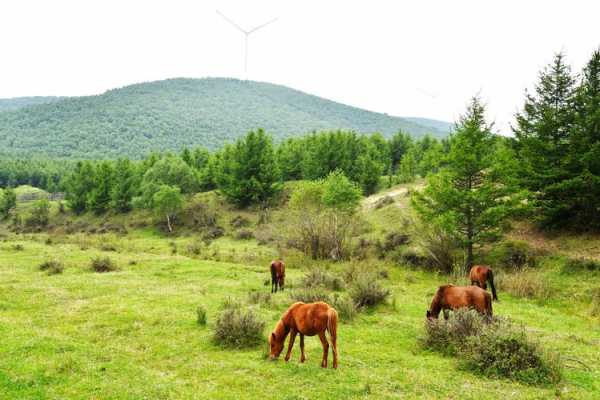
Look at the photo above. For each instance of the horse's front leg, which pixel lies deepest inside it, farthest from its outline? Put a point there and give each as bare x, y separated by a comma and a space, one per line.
291, 344
325, 348
302, 357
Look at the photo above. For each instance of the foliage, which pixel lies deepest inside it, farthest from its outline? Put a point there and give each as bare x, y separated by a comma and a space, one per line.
344, 306
525, 283
581, 264
311, 294
317, 277
472, 197
52, 267
510, 254
201, 315
167, 202
169, 171
366, 291
248, 173
238, 328
8, 201
39, 214
103, 264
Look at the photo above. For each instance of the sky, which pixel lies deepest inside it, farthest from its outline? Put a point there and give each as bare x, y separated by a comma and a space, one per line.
407, 58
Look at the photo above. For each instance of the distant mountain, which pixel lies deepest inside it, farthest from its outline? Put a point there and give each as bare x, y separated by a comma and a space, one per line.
20, 102
168, 115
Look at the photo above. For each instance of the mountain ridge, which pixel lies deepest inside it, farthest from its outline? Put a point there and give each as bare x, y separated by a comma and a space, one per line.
169, 114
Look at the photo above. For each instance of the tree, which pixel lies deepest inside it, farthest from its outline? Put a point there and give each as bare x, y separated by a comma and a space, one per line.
78, 186
473, 195
248, 172
400, 143
170, 170
40, 213
167, 202
8, 201
124, 186
99, 198
543, 130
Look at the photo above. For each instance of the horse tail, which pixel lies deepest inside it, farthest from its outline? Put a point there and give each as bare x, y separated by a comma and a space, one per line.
332, 317
491, 280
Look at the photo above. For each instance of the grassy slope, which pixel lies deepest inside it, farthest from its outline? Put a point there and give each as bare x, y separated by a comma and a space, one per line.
132, 334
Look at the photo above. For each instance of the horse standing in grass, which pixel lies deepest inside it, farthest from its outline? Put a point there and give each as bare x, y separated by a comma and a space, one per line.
306, 319
450, 297
277, 275
480, 275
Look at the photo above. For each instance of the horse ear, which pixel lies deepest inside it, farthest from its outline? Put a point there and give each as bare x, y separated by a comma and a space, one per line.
273, 337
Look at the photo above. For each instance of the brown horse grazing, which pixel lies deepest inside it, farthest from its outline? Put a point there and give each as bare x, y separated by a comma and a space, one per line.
450, 297
306, 319
480, 275
277, 275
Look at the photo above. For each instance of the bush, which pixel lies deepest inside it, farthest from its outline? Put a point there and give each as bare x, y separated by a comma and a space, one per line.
524, 284
103, 264
239, 221
391, 242
512, 255
108, 247
384, 201
412, 258
238, 328
345, 307
495, 348
18, 247
595, 302
212, 233
580, 264
366, 291
317, 277
311, 295
259, 298
244, 234
501, 350
52, 267
201, 315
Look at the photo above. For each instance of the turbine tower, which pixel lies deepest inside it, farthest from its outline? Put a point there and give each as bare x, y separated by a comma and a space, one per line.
246, 35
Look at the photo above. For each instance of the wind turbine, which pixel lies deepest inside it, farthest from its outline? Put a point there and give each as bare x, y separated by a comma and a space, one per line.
246, 35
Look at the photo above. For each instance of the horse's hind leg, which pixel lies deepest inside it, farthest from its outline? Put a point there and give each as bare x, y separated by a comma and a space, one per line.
325, 349
302, 357
334, 350
291, 344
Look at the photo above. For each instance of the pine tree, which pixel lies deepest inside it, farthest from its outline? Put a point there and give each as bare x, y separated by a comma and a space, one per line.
472, 196
99, 198
124, 186
78, 186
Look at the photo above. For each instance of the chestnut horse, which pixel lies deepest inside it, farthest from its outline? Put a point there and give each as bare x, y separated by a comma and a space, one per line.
450, 297
277, 275
480, 275
306, 319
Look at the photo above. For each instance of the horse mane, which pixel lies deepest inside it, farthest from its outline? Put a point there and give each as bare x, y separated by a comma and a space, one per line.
436, 302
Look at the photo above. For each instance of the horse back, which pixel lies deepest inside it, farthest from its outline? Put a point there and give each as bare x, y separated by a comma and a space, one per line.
310, 319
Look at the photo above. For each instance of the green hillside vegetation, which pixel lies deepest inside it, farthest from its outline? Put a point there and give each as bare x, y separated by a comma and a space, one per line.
20, 102
175, 113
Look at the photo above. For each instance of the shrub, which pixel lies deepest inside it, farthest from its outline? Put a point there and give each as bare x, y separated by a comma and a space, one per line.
412, 258
201, 315
239, 221
212, 233
238, 328
595, 302
200, 213
244, 234
496, 348
345, 307
52, 267
18, 247
512, 255
580, 264
259, 298
391, 242
103, 264
317, 277
48, 241
311, 295
384, 201
366, 291
525, 284
502, 350
108, 247
438, 248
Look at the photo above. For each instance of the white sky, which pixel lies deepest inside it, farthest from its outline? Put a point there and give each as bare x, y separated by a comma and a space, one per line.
406, 58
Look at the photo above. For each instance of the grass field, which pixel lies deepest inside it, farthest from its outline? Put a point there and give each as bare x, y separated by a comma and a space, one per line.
132, 334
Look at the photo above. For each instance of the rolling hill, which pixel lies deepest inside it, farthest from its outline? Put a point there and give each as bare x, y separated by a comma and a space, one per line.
167, 115
20, 102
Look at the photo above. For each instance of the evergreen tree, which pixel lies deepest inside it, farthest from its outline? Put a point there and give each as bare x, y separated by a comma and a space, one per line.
248, 171
8, 201
124, 186
99, 199
544, 130
78, 186
472, 196
399, 145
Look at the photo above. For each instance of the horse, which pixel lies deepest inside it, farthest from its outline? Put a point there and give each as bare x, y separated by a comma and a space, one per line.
480, 275
450, 297
277, 275
306, 319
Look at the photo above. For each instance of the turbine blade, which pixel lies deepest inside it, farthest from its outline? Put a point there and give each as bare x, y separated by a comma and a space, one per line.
262, 26
231, 22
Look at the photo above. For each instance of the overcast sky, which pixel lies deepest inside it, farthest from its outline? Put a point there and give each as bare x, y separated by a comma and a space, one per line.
405, 58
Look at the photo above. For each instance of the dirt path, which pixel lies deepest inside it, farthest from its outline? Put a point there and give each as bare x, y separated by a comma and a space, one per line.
369, 202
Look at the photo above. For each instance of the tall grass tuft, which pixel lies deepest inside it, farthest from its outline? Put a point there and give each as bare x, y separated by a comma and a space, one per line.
103, 264
238, 328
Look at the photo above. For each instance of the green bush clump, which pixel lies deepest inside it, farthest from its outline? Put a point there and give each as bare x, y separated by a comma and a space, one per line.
319, 278
238, 328
311, 295
366, 291
103, 264
580, 264
512, 254
345, 307
52, 267
259, 298
201, 315
495, 348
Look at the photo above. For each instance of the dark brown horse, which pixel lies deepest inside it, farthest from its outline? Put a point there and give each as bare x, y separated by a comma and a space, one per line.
277, 275
306, 319
480, 275
450, 297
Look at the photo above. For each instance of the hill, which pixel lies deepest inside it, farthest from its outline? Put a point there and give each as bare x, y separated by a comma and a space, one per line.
167, 115
20, 102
